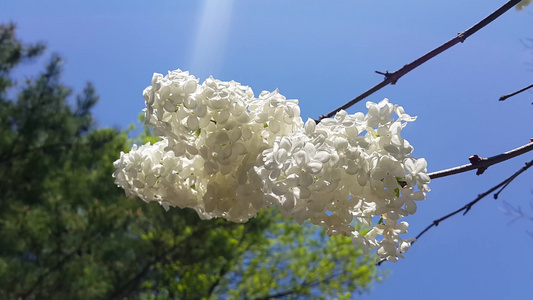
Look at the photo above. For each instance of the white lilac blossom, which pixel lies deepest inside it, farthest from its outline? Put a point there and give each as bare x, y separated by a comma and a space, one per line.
226, 153
212, 133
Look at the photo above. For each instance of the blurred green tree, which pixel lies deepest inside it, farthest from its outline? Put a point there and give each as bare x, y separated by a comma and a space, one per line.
67, 232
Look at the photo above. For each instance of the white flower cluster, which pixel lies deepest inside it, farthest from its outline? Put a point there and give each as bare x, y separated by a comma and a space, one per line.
212, 135
228, 154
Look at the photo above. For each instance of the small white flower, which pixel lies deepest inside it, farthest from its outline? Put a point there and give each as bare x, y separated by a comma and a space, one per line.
416, 169
379, 114
387, 171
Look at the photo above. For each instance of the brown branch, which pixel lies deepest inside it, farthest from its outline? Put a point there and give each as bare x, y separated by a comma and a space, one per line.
226, 266
392, 78
130, 285
469, 205
118, 292
516, 93
56, 267
483, 163
296, 290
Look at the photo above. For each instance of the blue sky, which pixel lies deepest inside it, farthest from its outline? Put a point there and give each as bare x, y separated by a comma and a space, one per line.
325, 53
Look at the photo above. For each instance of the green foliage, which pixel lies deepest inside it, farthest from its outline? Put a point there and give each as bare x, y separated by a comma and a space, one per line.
67, 232
12, 53
293, 265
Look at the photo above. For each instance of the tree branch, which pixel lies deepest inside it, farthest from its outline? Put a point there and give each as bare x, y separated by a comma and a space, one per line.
502, 98
469, 205
56, 267
392, 78
297, 289
481, 164
226, 266
159, 258
516, 212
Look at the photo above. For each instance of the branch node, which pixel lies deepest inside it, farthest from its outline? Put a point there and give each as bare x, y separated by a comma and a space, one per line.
386, 74
502, 98
475, 160
389, 76
461, 37
468, 207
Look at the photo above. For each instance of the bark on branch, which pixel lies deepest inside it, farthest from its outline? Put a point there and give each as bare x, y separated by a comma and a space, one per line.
516, 93
466, 208
481, 164
392, 78
469, 205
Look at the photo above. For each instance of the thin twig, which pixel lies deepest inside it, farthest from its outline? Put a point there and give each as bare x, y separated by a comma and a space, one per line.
298, 288
469, 205
56, 267
516, 212
120, 292
484, 163
516, 93
392, 78
226, 266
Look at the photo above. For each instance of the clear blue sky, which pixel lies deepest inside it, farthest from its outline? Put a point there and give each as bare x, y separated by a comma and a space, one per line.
325, 53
